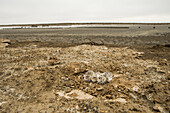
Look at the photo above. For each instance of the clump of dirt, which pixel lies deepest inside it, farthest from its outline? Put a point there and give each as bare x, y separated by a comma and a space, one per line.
31, 79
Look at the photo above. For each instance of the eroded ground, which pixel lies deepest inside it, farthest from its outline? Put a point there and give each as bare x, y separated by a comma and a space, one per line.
41, 70
42, 79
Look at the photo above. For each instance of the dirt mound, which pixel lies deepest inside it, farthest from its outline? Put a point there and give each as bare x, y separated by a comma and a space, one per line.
31, 79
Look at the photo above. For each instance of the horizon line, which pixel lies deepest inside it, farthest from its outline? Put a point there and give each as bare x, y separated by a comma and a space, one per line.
83, 23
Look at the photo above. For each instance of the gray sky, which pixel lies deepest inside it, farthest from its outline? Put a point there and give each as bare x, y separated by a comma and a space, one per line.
46, 11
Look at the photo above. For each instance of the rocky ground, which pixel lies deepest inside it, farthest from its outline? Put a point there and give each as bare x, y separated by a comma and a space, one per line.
35, 77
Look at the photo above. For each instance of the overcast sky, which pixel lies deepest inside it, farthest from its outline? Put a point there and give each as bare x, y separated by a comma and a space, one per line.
54, 11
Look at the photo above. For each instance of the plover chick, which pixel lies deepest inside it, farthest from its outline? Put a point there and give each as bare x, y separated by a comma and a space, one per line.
100, 78
108, 76
94, 78
88, 75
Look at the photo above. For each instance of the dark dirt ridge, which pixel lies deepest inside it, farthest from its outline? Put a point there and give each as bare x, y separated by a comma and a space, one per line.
157, 51
155, 45
97, 36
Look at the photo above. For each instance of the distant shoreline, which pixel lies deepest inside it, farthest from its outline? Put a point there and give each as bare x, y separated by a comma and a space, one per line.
67, 24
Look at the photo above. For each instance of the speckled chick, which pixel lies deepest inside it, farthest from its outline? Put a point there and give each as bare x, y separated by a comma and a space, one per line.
108, 76
88, 75
100, 78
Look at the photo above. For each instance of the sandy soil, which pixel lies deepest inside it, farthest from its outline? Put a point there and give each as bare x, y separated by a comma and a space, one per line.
41, 70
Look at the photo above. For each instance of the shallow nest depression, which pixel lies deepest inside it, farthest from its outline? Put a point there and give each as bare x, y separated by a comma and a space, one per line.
32, 79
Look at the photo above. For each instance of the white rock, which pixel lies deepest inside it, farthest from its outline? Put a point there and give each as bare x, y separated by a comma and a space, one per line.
75, 94
135, 88
121, 100
12, 90
1, 103
159, 108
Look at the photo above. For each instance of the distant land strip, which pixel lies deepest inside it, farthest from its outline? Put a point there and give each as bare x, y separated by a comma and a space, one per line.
67, 24
108, 27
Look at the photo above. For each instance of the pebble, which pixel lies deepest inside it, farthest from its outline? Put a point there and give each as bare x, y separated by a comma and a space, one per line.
121, 100
12, 90
133, 96
109, 96
157, 107
135, 88
1, 103
100, 89
67, 89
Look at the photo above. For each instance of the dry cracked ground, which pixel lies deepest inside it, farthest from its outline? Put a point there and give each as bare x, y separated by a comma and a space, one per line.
50, 79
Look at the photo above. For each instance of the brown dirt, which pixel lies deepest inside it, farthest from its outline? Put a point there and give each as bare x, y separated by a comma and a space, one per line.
31, 72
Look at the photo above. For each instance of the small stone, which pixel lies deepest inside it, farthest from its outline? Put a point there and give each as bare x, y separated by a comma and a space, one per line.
151, 68
161, 71
1, 103
67, 90
132, 96
109, 96
85, 108
6, 41
100, 89
86, 89
12, 90
135, 88
65, 78
121, 100
163, 62
67, 84
119, 58
127, 73
51, 62
95, 94
103, 111
157, 107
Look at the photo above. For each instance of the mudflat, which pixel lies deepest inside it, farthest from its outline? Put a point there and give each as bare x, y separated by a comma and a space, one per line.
42, 70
